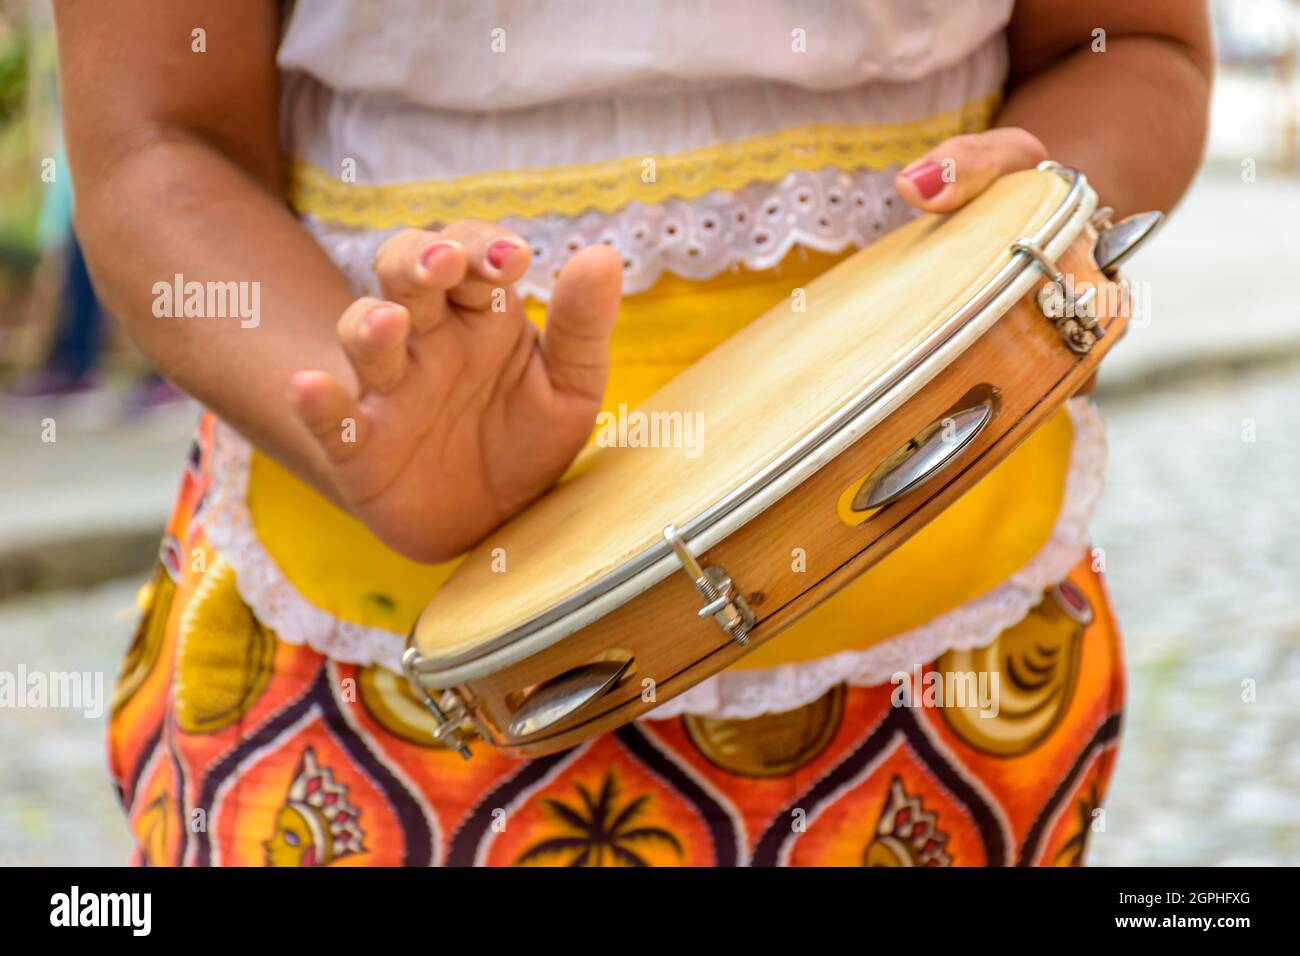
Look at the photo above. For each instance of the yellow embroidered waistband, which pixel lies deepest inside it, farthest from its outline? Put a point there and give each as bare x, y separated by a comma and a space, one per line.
612, 184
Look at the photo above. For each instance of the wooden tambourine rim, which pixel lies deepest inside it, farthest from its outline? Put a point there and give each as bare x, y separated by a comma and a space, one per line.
839, 430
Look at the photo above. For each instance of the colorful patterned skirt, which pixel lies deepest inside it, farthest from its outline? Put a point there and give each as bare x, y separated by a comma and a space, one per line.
229, 746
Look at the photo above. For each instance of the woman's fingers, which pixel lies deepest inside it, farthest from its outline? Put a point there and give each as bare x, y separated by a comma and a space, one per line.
584, 305
373, 334
329, 413
470, 264
495, 259
959, 169
417, 267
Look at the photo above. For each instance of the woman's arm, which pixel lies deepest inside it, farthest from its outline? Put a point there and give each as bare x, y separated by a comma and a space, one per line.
176, 166
433, 414
1132, 116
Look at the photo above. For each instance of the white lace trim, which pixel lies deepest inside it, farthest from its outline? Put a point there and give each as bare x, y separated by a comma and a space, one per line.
262, 584
828, 210
731, 694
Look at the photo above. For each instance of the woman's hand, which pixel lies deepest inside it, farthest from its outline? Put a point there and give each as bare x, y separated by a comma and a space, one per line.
960, 168
465, 411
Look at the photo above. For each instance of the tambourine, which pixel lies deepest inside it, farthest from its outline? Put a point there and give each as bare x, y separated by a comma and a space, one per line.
914, 367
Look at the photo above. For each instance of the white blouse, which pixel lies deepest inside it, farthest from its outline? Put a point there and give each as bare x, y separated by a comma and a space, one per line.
383, 92
473, 57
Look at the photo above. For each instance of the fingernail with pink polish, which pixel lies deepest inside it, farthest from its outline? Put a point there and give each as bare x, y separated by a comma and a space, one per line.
928, 178
433, 252
374, 315
499, 253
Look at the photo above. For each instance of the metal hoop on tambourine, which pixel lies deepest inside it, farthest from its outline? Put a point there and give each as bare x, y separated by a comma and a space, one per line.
918, 364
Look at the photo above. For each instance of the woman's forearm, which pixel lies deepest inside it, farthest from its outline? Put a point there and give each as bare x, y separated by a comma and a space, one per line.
1132, 118
194, 214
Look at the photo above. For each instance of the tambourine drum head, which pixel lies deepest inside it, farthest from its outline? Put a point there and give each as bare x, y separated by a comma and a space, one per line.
759, 393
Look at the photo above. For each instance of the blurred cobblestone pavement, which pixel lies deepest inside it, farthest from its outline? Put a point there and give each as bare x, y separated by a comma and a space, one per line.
1201, 536
56, 803
1200, 530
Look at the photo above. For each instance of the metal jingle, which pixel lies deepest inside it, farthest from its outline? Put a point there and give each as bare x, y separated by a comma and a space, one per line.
564, 695
930, 452
1118, 241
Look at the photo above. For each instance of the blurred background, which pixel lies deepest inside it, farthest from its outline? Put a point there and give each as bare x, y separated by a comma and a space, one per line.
1199, 527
